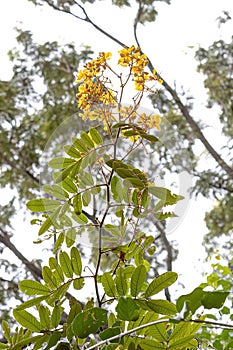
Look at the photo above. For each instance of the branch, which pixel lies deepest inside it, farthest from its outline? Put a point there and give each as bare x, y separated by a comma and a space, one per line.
216, 324
35, 271
19, 167
86, 19
211, 323
15, 285
168, 247
130, 331
136, 21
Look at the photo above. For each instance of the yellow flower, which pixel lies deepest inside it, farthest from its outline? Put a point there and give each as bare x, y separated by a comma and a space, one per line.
105, 55
154, 121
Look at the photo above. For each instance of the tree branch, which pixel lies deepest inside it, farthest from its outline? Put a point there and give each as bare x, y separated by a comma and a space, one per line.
15, 285
35, 271
130, 331
168, 248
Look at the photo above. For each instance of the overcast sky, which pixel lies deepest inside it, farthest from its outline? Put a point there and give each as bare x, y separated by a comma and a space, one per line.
170, 43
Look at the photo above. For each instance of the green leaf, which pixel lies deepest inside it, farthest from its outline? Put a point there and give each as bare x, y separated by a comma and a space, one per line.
79, 145
108, 284
77, 203
56, 191
148, 137
121, 283
48, 277
30, 287
78, 283
86, 179
70, 237
86, 139
42, 339
124, 173
150, 344
56, 316
76, 261
163, 307
144, 198
161, 282
66, 265
164, 216
86, 198
71, 151
71, 170
69, 185
157, 331
6, 331
116, 164
134, 182
27, 341
53, 339
27, 320
63, 346
110, 332
4, 346
89, 321
177, 344
192, 300
51, 219
44, 314
214, 299
137, 280
75, 309
59, 242
58, 274
127, 309
42, 205
122, 125
81, 219
131, 133
58, 293
183, 329
165, 195
32, 302
116, 189
60, 162
95, 135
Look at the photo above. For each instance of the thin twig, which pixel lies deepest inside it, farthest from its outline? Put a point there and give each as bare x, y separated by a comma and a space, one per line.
130, 331
150, 324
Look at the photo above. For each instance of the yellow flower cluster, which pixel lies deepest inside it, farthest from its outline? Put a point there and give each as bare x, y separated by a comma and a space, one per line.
92, 88
102, 114
133, 58
150, 122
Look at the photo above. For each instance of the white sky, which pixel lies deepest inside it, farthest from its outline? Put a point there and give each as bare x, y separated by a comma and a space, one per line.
170, 42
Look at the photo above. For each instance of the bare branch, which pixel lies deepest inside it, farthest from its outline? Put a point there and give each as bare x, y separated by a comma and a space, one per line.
5, 239
168, 247
15, 285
